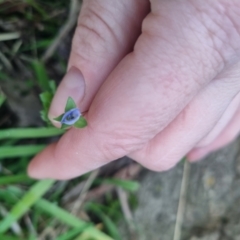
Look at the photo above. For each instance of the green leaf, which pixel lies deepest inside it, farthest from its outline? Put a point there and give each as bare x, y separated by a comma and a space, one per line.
44, 116
59, 118
128, 185
41, 74
52, 86
31, 197
70, 104
20, 151
80, 123
65, 126
46, 99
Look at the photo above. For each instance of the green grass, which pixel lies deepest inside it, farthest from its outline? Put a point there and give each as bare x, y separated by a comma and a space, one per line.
20, 133
16, 151
23, 205
22, 47
2, 99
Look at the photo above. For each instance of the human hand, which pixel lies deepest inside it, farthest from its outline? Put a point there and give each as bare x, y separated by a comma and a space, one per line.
156, 96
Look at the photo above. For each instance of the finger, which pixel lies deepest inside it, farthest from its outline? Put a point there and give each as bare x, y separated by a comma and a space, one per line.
225, 137
192, 125
221, 124
143, 94
105, 33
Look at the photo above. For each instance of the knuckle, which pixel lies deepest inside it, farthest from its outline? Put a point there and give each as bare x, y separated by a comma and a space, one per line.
119, 144
160, 164
154, 160
86, 37
92, 30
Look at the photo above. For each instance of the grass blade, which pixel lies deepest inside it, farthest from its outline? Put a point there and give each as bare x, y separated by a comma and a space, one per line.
29, 133
70, 234
128, 185
7, 237
108, 223
70, 219
20, 151
60, 214
93, 234
30, 198
14, 179
89, 231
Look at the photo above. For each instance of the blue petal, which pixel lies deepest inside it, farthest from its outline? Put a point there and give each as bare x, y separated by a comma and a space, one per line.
71, 116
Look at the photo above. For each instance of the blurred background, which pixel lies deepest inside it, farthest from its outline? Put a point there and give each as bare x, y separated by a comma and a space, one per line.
119, 201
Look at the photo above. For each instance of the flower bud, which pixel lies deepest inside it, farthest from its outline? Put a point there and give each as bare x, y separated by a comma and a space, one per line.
71, 116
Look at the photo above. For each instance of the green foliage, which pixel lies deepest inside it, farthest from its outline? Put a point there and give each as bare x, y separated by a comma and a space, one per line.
21, 133
14, 179
47, 86
16, 151
64, 126
2, 99
59, 118
41, 75
128, 185
70, 104
81, 123
35, 192
70, 234
108, 223
46, 99
6, 237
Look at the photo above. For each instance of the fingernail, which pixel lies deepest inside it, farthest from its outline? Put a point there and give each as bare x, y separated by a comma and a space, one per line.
74, 79
72, 85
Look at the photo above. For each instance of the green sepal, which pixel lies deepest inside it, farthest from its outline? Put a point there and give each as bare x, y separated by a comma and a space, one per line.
70, 104
59, 118
80, 123
65, 126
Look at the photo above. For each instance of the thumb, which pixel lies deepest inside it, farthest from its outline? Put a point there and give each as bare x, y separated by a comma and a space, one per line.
105, 33
141, 97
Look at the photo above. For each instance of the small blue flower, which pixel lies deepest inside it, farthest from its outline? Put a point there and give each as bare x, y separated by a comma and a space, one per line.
71, 116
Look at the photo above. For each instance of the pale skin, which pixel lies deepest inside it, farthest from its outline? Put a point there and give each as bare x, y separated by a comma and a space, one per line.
159, 80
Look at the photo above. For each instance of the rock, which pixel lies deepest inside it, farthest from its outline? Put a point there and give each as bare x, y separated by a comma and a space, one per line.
212, 204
